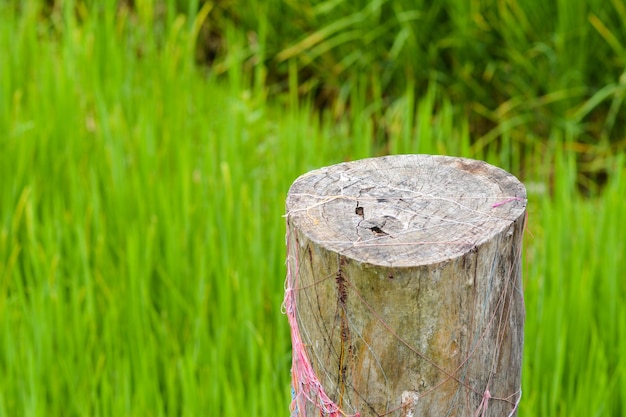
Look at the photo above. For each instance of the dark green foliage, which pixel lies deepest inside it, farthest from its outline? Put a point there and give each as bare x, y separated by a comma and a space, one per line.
534, 64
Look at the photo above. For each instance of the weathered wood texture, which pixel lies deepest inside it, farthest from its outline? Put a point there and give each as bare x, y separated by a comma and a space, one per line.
409, 293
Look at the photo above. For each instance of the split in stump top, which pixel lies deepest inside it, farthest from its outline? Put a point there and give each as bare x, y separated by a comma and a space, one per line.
405, 210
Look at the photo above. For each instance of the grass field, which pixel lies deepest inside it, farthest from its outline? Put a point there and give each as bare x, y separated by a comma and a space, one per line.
141, 238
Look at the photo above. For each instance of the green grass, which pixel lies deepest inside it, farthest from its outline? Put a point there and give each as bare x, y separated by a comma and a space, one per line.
574, 298
529, 63
141, 238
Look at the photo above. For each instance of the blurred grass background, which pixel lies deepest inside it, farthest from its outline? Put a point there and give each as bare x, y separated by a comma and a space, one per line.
146, 149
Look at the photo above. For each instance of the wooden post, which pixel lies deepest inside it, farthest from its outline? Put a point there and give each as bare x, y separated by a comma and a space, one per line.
404, 288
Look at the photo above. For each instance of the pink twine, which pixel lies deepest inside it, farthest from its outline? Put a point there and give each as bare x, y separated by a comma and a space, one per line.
500, 203
482, 407
306, 386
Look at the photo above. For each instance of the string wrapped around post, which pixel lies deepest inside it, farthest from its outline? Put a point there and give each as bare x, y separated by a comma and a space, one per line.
403, 289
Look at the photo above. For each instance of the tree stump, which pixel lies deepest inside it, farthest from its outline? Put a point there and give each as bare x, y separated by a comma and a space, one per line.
404, 288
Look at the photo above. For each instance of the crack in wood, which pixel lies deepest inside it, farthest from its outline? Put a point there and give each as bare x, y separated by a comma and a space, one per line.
346, 348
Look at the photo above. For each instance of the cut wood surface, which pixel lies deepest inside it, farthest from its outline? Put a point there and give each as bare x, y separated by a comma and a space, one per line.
408, 285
